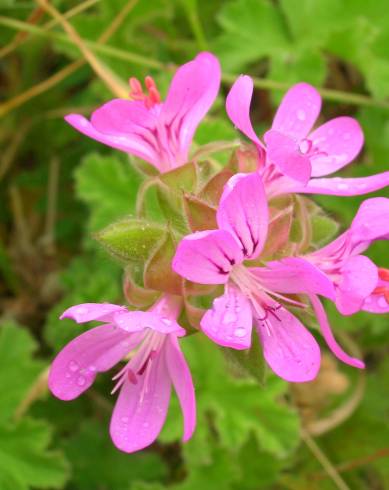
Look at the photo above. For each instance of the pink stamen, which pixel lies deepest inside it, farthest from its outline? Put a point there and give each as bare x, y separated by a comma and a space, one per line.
136, 91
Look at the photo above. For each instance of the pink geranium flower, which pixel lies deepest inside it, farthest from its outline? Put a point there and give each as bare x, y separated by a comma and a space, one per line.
155, 363
158, 132
295, 157
359, 283
255, 294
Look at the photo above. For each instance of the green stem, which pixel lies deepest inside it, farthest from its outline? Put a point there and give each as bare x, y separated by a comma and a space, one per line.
262, 83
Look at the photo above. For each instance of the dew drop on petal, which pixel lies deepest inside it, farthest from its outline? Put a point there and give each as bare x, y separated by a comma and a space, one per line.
81, 310
382, 302
124, 420
240, 332
342, 186
81, 381
166, 321
229, 317
145, 424
301, 115
73, 366
68, 375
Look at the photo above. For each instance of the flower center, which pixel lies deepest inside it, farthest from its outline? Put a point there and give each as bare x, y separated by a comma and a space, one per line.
139, 365
136, 91
306, 148
383, 274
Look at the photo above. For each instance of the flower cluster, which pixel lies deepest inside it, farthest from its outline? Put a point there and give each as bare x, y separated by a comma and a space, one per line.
234, 245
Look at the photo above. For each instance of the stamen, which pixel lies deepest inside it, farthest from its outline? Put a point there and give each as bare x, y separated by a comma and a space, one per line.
150, 357
383, 274
136, 91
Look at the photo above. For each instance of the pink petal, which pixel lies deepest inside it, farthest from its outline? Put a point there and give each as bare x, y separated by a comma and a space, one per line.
141, 408
192, 92
134, 321
338, 186
288, 347
371, 221
129, 143
207, 257
329, 337
86, 312
243, 212
238, 107
284, 152
377, 302
341, 139
358, 281
121, 116
294, 275
229, 322
298, 111
99, 349
183, 384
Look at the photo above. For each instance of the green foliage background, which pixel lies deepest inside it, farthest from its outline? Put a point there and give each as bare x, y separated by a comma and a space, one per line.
57, 187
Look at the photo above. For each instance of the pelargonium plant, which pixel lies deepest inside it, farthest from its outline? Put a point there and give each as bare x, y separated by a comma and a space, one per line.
232, 254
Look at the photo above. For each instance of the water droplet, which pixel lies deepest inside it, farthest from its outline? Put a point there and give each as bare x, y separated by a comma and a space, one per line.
92, 368
382, 302
342, 186
166, 321
240, 332
81, 381
301, 115
73, 366
81, 310
145, 424
68, 375
229, 317
124, 420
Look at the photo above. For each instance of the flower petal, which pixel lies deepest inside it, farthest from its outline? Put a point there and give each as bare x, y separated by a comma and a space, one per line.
141, 408
134, 321
371, 221
99, 349
207, 257
129, 143
378, 301
86, 312
329, 337
337, 186
298, 111
229, 322
284, 152
192, 92
288, 347
294, 275
358, 281
341, 139
243, 212
183, 384
238, 107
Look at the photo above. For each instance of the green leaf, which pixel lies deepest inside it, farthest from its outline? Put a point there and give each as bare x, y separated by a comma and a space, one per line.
98, 464
91, 277
109, 186
131, 240
238, 406
252, 29
25, 461
18, 370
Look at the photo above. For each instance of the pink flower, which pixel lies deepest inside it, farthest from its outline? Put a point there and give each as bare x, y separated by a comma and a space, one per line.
144, 382
358, 282
158, 132
293, 154
254, 293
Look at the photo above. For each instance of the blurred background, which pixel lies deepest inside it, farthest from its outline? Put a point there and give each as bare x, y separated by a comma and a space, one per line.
57, 187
